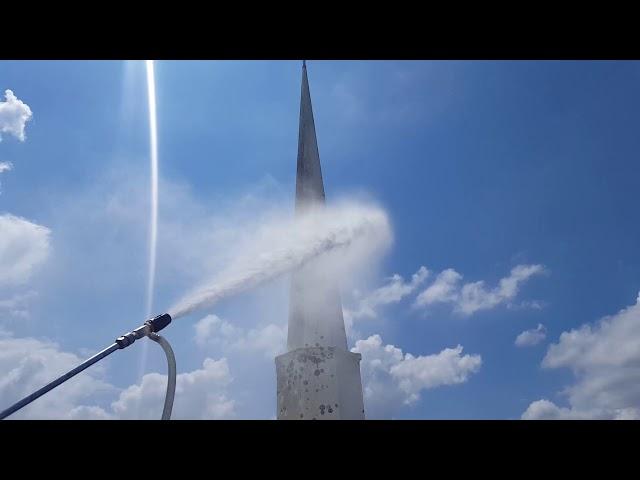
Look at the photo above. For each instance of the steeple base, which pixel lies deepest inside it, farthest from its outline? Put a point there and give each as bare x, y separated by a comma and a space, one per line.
319, 383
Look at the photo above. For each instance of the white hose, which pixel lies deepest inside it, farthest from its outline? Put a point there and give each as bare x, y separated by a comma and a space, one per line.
171, 379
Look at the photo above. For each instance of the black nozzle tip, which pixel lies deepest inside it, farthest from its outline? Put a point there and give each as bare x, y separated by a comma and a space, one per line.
159, 322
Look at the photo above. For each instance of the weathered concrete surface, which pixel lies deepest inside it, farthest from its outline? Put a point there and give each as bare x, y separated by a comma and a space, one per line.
319, 383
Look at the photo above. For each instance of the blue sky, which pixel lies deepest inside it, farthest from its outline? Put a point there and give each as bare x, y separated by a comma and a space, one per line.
480, 166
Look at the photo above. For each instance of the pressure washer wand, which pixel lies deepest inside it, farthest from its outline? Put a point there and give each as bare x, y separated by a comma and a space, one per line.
149, 328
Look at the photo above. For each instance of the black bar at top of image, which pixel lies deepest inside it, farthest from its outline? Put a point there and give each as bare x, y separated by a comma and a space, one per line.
464, 34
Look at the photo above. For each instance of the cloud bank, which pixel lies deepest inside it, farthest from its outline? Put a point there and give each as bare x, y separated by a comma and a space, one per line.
392, 379
473, 297
605, 360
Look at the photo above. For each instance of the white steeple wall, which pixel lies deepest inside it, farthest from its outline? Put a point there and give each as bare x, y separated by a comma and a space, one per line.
318, 378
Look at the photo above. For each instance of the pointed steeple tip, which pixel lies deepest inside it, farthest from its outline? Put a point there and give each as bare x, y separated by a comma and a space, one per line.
304, 64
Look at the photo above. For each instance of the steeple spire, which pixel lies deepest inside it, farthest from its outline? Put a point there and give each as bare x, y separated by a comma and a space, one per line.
309, 185
315, 315
318, 377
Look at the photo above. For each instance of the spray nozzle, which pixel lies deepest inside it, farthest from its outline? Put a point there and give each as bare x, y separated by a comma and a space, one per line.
158, 323
152, 325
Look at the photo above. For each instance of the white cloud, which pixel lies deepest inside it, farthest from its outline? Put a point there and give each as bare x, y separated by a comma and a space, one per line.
445, 368
473, 297
547, 410
269, 340
443, 289
23, 247
605, 360
213, 330
532, 337
200, 395
392, 379
527, 304
14, 115
17, 305
90, 413
392, 292
28, 364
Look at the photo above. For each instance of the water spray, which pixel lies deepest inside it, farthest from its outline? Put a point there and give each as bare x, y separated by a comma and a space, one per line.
150, 329
291, 246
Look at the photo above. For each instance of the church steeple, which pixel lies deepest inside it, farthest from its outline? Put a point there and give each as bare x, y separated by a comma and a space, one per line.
319, 378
